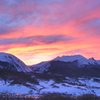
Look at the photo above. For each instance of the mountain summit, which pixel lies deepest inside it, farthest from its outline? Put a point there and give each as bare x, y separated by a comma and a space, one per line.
81, 59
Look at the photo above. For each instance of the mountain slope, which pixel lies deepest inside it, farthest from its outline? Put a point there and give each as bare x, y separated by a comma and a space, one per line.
12, 63
74, 66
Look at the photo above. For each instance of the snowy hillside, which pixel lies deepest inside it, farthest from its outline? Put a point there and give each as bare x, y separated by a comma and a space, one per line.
8, 61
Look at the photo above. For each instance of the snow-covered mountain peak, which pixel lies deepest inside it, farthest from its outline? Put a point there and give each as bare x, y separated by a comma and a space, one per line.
72, 58
13, 62
81, 59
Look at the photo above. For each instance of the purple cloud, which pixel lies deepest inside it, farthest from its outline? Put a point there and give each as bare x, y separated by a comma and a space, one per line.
36, 40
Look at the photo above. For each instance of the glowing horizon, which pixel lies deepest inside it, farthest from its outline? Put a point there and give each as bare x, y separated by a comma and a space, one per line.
39, 30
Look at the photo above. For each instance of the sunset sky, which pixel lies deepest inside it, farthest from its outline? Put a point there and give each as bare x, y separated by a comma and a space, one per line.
39, 30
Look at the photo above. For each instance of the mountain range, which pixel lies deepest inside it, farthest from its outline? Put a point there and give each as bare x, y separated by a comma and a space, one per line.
73, 66
61, 74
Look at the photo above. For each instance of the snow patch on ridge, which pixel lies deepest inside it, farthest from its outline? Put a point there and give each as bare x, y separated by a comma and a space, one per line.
41, 67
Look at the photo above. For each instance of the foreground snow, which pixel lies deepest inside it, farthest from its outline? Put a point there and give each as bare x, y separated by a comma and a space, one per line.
70, 86
18, 89
89, 86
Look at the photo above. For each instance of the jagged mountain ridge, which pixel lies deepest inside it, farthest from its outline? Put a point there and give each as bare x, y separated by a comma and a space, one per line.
81, 59
76, 65
12, 63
